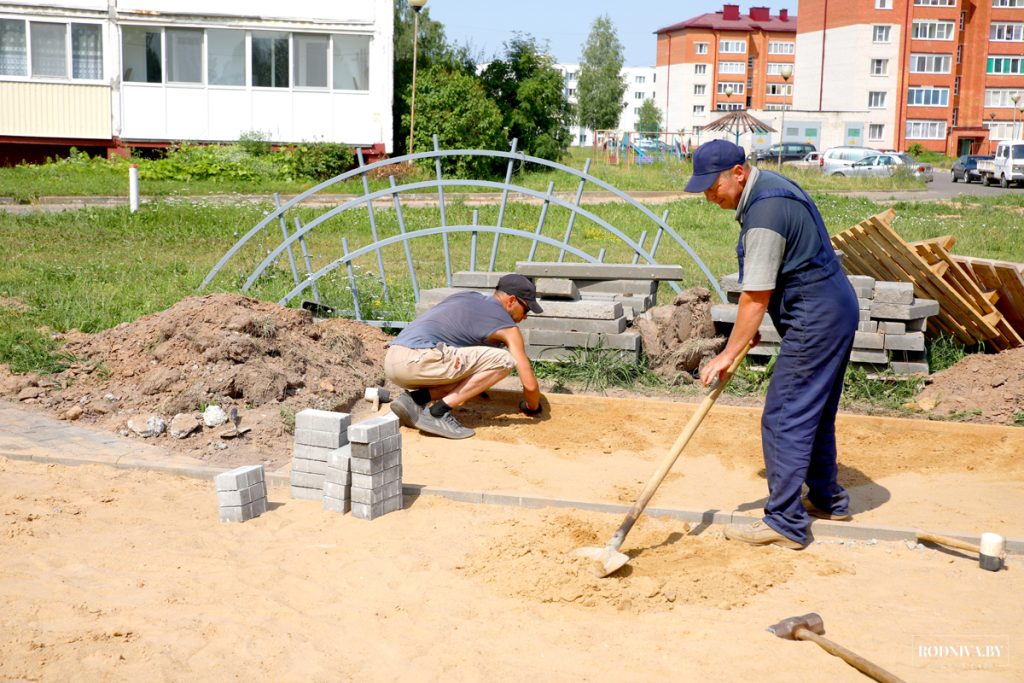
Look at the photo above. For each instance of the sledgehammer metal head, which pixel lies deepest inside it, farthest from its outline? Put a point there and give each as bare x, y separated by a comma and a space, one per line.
786, 628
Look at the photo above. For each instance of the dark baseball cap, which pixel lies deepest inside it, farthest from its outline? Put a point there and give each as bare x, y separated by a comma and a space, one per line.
520, 286
710, 160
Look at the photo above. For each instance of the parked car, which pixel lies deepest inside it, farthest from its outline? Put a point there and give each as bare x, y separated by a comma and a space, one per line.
966, 167
1006, 167
884, 165
838, 158
810, 162
791, 151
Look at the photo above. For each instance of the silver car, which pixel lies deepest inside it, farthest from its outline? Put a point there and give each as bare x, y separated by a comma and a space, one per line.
885, 165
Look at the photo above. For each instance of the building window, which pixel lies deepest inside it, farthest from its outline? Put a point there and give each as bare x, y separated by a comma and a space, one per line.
779, 89
735, 47
571, 92
930, 63
728, 106
959, 53
956, 115
351, 61
184, 55
1008, 3
732, 68
932, 30
698, 110
572, 77
700, 89
700, 48
638, 96
269, 59
883, 4
876, 99
86, 52
875, 131
583, 138
926, 130
925, 96
879, 67
737, 88
956, 86
1005, 65
781, 48
700, 69
935, 3
775, 68
1000, 97
142, 54
49, 49
880, 34
309, 66
640, 79
999, 130
636, 111
225, 57
1010, 31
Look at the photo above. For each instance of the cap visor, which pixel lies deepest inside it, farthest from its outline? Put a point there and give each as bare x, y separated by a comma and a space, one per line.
699, 183
535, 307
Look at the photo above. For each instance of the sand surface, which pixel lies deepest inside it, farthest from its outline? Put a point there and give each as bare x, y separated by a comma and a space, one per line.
117, 575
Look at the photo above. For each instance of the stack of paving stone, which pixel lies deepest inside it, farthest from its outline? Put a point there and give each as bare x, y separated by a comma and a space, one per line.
375, 467
585, 304
317, 434
890, 334
241, 493
338, 480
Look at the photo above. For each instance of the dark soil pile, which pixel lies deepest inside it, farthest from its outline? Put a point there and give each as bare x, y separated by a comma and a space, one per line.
265, 361
678, 337
986, 388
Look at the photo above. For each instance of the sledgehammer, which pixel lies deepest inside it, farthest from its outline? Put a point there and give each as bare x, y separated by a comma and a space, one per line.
810, 627
991, 551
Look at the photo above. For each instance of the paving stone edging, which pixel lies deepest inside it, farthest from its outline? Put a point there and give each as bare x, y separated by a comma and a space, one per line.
820, 528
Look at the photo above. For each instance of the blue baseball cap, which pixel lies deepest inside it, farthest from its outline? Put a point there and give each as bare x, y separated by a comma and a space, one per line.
710, 160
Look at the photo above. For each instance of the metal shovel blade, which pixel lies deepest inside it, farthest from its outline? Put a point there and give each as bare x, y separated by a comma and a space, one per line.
607, 560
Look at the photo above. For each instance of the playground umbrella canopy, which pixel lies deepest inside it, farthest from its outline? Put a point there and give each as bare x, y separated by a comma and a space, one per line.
737, 123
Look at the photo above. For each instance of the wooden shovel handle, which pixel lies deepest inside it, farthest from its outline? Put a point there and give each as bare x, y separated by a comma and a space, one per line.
948, 541
853, 659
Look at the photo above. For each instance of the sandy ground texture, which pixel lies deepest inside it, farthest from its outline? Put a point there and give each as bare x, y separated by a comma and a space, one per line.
127, 574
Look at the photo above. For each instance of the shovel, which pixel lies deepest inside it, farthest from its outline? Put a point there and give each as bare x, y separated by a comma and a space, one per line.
608, 559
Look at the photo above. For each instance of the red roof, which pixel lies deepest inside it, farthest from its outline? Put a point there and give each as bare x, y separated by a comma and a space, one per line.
715, 21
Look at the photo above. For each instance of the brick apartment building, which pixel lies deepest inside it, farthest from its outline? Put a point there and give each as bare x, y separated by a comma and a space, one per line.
701, 59
941, 73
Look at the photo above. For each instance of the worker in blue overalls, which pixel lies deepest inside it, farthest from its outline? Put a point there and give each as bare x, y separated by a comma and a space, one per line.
789, 269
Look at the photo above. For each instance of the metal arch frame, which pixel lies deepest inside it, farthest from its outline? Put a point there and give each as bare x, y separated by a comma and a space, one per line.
440, 183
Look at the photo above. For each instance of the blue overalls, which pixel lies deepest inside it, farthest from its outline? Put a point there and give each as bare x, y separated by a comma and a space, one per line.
815, 310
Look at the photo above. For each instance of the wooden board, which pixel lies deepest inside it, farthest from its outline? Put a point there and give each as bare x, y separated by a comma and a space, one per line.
1004, 278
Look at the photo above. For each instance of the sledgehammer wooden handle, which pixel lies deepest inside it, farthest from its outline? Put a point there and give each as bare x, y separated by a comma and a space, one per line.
948, 541
852, 658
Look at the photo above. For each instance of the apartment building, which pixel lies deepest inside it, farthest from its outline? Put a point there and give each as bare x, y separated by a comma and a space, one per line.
104, 75
946, 74
640, 86
724, 61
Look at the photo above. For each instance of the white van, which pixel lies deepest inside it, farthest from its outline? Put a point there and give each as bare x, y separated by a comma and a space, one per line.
1007, 166
835, 159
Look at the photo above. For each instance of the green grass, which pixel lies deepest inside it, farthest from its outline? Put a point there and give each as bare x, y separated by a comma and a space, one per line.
597, 368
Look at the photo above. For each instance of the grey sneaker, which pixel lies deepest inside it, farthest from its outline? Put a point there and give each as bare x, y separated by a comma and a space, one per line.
446, 426
815, 511
759, 533
407, 410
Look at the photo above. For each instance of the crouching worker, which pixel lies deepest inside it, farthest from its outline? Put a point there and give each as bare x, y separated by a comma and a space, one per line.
454, 352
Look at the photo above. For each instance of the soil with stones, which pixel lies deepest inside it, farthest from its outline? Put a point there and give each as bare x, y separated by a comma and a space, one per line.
985, 388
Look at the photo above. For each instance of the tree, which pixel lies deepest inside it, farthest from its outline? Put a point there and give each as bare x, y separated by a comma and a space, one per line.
432, 49
530, 93
601, 86
649, 119
453, 105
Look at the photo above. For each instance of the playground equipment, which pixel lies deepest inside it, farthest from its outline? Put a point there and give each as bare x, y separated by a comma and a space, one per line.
638, 147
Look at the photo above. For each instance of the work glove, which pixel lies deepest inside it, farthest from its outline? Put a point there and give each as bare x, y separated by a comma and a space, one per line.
525, 409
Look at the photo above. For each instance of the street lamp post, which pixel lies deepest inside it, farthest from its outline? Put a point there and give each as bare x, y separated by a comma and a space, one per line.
728, 96
785, 72
991, 126
1020, 118
416, 5
1015, 97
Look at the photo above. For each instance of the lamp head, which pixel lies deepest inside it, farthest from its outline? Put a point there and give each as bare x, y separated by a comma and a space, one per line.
729, 91
417, 5
786, 72
1015, 97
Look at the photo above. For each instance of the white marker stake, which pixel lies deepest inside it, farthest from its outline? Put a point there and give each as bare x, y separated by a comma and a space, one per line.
133, 188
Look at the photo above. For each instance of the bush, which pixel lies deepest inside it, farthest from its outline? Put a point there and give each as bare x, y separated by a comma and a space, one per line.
321, 160
915, 150
255, 143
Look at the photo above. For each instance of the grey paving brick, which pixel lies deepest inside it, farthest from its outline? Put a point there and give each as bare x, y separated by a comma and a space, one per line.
235, 498
374, 429
731, 282
310, 466
336, 505
589, 310
339, 491
476, 279
339, 457
769, 333
620, 286
903, 368
861, 280
239, 478
236, 513
574, 325
865, 304
921, 308
377, 448
600, 271
764, 349
865, 314
337, 476
259, 506
306, 493
311, 452
917, 324
868, 326
432, 297
892, 327
894, 292
911, 341
865, 356
320, 438
364, 511
724, 313
377, 479
307, 480
864, 292
629, 341
375, 465
376, 494
556, 288
868, 340
322, 420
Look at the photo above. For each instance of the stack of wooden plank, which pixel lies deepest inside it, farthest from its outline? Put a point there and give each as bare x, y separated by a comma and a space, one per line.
967, 311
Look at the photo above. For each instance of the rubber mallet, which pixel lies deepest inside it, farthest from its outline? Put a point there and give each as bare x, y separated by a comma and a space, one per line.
991, 551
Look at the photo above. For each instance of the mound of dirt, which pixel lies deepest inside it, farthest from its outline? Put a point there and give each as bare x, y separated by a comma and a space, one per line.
986, 388
677, 338
265, 361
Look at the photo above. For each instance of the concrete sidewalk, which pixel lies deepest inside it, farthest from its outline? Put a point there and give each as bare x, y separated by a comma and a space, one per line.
26, 434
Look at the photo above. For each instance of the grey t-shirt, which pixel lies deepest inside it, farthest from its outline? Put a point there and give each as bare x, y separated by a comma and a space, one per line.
463, 319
